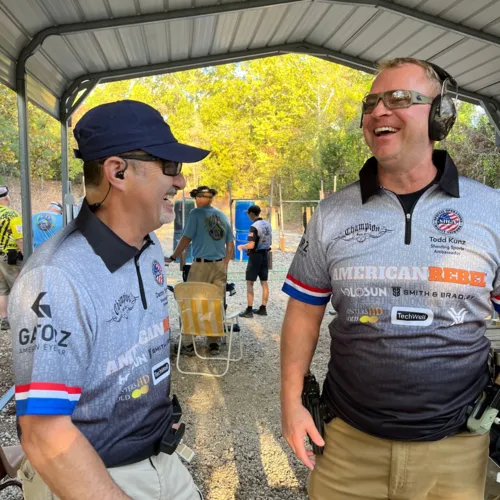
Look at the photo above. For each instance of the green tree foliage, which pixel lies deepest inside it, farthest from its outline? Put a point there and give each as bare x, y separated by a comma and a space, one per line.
472, 145
293, 118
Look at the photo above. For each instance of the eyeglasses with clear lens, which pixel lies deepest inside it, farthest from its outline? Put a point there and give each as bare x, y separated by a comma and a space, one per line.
394, 99
169, 167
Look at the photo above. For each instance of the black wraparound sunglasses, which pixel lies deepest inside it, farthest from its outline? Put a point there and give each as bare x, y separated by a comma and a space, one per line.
169, 167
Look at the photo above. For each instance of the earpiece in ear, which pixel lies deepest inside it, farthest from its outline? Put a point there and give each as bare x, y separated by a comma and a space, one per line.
120, 174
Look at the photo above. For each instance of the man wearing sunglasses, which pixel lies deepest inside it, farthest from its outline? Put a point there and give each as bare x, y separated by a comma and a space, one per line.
412, 267
213, 246
91, 330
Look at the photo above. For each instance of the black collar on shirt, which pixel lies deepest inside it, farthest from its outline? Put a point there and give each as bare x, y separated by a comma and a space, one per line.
448, 178
113, 251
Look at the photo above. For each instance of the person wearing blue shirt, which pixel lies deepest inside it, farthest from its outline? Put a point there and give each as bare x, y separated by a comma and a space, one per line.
213, 245
46, 224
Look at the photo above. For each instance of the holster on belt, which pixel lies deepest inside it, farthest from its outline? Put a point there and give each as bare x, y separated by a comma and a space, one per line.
13, 256
173, 437
486, 408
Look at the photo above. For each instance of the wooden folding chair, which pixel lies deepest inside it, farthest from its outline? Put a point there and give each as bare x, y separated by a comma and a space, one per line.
202, 313
10, 461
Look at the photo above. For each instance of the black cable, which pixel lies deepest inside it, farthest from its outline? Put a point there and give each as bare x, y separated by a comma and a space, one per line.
95, 206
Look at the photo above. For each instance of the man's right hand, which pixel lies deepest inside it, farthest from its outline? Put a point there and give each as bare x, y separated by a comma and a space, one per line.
297, 423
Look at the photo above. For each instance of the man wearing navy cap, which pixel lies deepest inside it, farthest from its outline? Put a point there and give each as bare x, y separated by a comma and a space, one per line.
90, 323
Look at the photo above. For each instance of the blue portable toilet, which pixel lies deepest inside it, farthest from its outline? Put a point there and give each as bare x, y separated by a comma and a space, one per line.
242, 226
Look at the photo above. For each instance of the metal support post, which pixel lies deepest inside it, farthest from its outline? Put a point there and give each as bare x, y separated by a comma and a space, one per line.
182, 257
24, 161
229, 185
282, 222
183, 209
67, 214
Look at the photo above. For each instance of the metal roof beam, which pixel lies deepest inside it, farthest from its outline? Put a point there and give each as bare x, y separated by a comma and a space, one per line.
492, 109
73, 96
171, 67
64, 29
491, 106
227, 58
369, 67
418, 15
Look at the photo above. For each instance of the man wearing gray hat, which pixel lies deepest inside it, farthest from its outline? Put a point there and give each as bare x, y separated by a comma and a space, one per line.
91, 328
11, 250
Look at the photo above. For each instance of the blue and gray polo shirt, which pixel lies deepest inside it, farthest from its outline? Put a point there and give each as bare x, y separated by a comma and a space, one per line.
413, 294
91, 334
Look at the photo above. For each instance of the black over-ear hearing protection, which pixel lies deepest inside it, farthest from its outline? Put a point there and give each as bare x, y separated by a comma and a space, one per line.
443, 112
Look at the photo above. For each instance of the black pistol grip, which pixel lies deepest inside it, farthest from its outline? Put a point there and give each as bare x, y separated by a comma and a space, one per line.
176, 409
171, 439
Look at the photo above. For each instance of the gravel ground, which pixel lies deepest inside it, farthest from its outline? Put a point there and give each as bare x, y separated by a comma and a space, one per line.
232, 423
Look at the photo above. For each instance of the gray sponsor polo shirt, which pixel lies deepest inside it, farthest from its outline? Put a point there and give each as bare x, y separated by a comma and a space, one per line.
262, 233
412, 291
91, 335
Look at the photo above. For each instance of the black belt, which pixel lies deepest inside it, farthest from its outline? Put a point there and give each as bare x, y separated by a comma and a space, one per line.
207, 260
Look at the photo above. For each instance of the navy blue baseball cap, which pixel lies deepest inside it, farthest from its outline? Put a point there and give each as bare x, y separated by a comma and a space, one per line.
124, 126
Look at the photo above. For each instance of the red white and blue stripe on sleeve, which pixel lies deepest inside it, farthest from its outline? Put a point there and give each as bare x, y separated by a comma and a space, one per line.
496, 302
305, 293
44, 398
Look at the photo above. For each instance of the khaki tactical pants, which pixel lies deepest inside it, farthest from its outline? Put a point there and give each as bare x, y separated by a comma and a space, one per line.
8, 275
357, 466
209, 272
161, 477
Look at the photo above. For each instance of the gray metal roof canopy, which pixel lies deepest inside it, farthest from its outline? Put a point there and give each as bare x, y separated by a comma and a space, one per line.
54, 52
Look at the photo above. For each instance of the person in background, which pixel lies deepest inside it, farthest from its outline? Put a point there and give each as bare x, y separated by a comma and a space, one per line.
260, 239
213, 248
46, 224
11, 250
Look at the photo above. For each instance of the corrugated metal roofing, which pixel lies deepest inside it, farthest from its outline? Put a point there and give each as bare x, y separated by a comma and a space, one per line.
463, 36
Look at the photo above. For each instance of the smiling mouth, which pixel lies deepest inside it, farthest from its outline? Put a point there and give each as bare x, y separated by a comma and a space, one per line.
380, 131
169, 197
